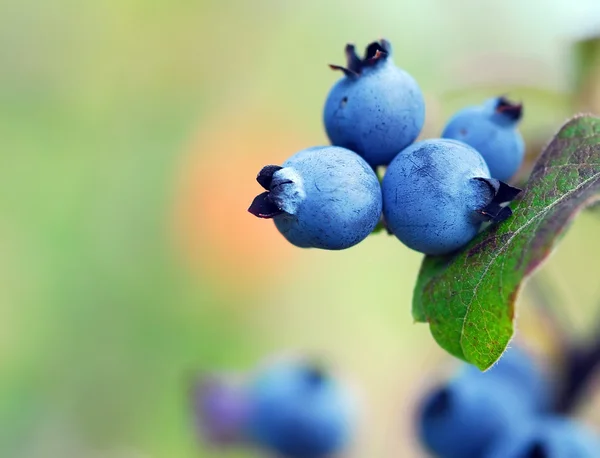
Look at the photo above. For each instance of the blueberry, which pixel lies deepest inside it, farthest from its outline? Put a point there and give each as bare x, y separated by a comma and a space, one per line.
492, 130
300, 411
437, 193
323, 197
548, 437
520, 370
376, 109
463, 417
221, 408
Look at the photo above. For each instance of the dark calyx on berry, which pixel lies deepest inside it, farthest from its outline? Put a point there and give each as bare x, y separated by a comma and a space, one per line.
511, 110
375, 52
438, 404
315, 374
262, 206
265, 176
502, 193
536, 450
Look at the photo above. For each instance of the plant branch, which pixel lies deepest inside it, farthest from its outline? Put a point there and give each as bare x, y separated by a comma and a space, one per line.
581, 363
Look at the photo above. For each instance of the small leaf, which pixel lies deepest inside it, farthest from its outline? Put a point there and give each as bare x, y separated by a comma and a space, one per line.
468, 298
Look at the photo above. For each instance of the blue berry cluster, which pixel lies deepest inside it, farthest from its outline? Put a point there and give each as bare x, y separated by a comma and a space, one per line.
506, 412
294, 408
290, 408
435, 194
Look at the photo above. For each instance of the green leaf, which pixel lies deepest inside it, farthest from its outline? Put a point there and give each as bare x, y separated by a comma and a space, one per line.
468, 298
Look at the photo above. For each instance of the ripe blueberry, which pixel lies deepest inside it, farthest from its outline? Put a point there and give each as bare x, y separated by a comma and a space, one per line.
547, 437
437, 193
300, 411
492, 130
376, 109
323, 197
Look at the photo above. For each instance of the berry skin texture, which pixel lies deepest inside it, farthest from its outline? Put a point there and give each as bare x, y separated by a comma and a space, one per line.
323, 197
376, 109
549, 437
462, 418
492, 130
299, 411
221, 409
437, 193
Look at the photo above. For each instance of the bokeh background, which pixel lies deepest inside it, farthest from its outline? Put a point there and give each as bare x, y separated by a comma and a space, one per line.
130, 136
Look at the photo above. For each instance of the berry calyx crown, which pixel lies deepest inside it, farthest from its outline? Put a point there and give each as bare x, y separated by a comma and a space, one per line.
376, 52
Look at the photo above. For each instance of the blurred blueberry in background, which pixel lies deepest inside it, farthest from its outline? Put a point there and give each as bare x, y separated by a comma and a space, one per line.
288, 407
547, 437
300, 410
464, 416
221, 407
521, 372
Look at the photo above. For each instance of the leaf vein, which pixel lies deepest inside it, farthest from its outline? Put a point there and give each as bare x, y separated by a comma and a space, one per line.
510, 240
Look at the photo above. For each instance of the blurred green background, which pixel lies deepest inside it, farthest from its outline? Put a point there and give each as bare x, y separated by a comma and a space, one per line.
130, 136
